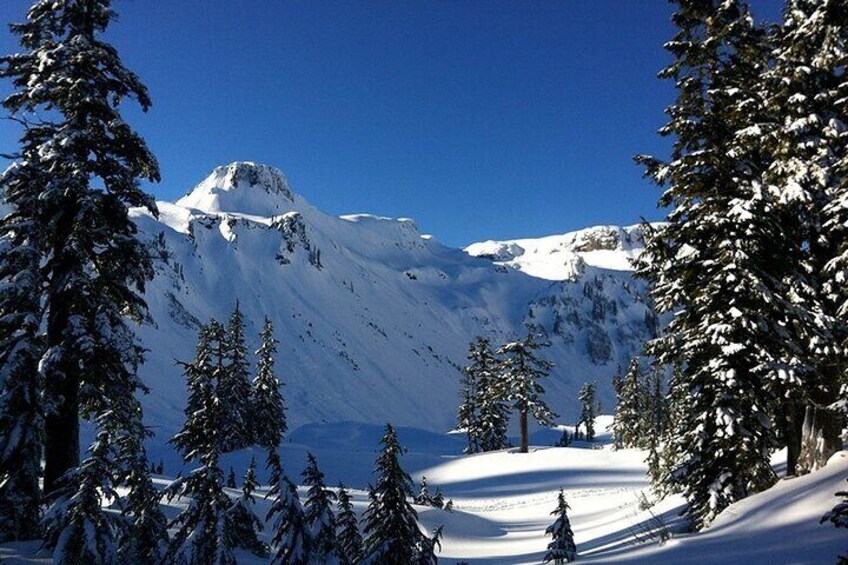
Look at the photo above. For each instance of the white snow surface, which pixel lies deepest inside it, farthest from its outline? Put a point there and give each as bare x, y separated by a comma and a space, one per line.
565, 257
503, 500
373, 318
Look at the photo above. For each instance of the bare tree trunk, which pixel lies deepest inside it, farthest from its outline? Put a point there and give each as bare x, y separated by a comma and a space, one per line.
820, 438
793, 423
523, 431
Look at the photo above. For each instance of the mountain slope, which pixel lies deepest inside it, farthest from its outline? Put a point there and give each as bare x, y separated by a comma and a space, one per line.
373, 319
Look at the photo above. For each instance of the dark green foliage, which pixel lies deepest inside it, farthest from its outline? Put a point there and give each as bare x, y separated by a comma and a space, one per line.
521, 370
242, 521
204, 534
492, 409
234, 387
291, 540
76, 175
719, 262
587, 398
562, 548
266, 401
391, 529
319, 515
347, 529
77, 528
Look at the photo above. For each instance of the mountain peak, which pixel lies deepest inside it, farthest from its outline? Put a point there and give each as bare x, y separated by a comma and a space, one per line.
242, 187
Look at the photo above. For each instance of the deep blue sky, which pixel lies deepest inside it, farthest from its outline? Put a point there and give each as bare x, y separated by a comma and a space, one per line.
479, 119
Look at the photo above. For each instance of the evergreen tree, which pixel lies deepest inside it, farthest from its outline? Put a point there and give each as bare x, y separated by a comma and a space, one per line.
562, 548
291, 532
204, 534
144, 537
492, 409
266, 400
319, 516
21, 347
468, 414
429, 545
243, 522
521, 371
234, 387
587, 397
617, 384
231, 478
77, 174
423, 498
806, 90
205, 370
347, 529
77, 528
719, 261
391, 529
629, 410
838, 516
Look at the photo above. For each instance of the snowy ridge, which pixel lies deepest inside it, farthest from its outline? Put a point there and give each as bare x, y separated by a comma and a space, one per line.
564, 257
374, 319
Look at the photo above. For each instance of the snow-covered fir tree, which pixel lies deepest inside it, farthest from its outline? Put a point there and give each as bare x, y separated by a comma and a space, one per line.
838, 516
21, 347
468, 414
423, 498
93, 266
806, 143
143, 538
719, 261
562, 548
291, 542
617, 383
429, 547
205, 369
521, 371
392, 536
319, 515
231, 479
347, 529
588, 402
203, 532
244, 525
77, 529
266, 401
234, 387
492, 409
630, 409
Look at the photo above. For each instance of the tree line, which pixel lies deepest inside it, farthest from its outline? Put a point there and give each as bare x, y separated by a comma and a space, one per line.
496, 382
752, 260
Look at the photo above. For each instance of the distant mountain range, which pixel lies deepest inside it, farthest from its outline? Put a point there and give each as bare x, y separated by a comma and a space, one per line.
374, 319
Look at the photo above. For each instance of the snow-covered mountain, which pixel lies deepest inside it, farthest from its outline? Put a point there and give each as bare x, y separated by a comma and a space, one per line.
374, 319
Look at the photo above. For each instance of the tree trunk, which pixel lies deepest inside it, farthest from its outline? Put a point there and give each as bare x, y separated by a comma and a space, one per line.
793, 426
523, 431
821, 438
61, 424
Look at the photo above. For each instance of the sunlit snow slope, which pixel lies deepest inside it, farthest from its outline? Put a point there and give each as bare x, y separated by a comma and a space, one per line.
373, 319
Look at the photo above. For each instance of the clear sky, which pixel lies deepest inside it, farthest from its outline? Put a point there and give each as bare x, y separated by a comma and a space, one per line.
479, 119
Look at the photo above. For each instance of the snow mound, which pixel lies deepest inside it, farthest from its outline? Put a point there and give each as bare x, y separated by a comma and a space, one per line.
242, 187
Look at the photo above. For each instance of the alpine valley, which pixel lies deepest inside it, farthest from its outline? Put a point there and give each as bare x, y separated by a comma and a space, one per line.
375, 318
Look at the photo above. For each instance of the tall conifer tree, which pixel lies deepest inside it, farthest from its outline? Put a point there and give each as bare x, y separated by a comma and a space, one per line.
720, 260
350, 539
234, 387
521, 371
94, 268
392, 536
266, 401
